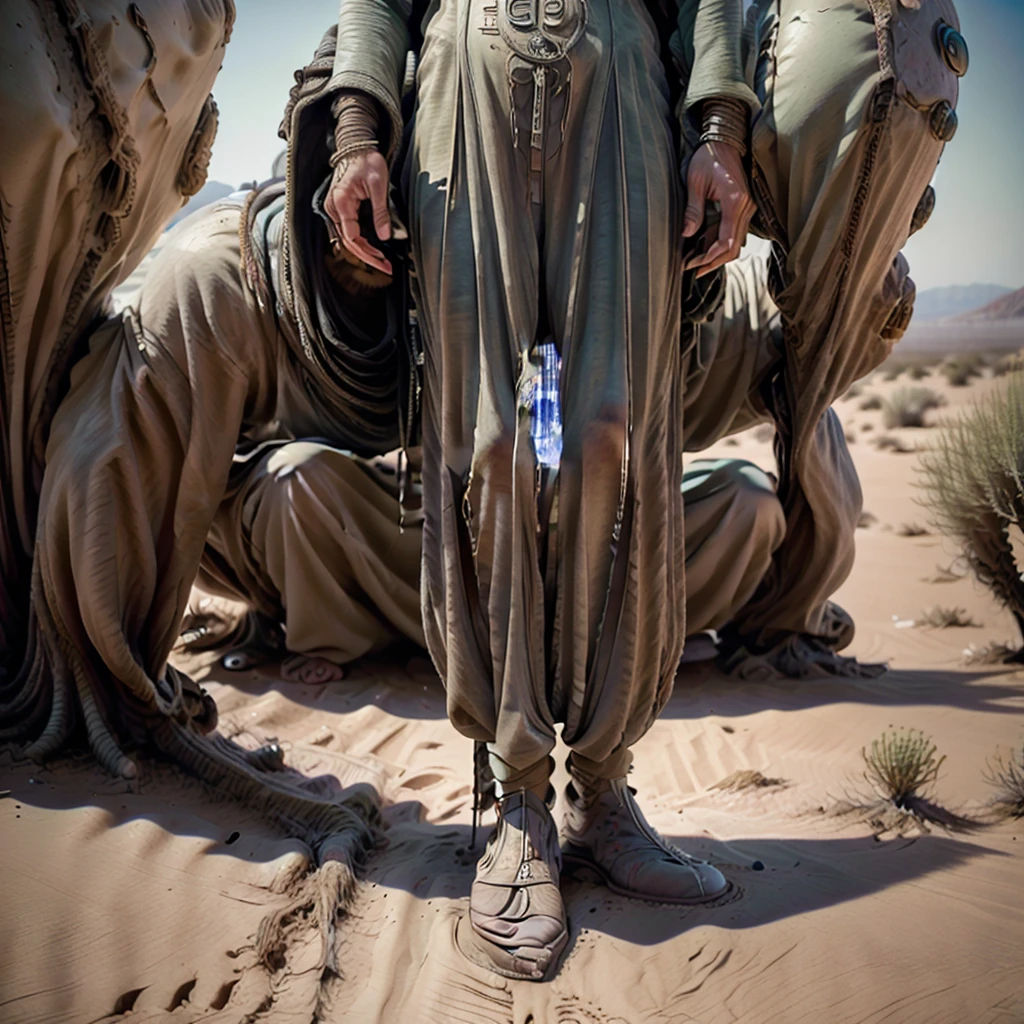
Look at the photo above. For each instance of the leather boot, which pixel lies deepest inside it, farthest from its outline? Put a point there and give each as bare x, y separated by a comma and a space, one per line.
518, 925
606, 834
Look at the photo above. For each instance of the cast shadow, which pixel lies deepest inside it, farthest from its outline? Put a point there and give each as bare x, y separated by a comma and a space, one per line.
771, 879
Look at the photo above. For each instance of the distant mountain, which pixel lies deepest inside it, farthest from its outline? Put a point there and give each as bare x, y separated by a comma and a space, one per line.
940, 303
1007, 307
209, 193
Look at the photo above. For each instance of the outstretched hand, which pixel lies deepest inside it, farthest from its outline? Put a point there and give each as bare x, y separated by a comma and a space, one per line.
716, 175
363, 176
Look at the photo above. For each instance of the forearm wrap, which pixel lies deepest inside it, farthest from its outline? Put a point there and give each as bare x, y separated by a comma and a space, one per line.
356, 125
725, 120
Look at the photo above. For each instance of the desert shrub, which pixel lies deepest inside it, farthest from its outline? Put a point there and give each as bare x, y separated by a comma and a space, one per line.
853, 391
746, 778
902, 766
1008, 364
918, 372
939, 617
892, 373
870, 404
866, 519
973, 485
851, 437
1006, 773
865, 427
911, 530
764, 433
891, 443
993, 653
960, 370
906, 407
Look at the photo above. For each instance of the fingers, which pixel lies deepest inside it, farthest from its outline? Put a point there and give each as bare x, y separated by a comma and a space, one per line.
358, 246
697, 189
377, 185
342, 206
731, 236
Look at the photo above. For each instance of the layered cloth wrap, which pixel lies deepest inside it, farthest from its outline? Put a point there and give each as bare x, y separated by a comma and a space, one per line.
857, 101
545, 204
182, 409
106, 127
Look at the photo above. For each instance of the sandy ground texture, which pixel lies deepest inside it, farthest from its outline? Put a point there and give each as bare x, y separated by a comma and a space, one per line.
144, 905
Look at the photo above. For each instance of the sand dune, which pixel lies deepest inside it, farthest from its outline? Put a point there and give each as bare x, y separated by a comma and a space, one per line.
144, 905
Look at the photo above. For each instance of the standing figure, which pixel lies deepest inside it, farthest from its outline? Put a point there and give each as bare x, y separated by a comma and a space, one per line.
545, 206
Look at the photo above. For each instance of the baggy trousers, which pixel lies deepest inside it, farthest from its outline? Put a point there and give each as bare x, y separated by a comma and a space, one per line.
310, 537
569, 233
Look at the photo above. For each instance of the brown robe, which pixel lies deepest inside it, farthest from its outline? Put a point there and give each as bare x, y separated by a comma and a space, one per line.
107, 123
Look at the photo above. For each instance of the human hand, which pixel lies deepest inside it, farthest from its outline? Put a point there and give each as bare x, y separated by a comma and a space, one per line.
716, 174
362, 176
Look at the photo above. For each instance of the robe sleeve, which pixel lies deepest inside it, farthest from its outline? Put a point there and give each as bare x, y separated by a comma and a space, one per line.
708, 48
373, 39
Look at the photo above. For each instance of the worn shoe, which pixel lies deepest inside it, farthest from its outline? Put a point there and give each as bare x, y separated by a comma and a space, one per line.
606, 834
518, 925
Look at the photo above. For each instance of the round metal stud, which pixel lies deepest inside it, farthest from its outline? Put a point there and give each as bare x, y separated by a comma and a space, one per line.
943, 121
953, 48
924, 211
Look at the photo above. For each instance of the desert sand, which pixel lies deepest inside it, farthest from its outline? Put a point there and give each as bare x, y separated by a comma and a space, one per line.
143, 904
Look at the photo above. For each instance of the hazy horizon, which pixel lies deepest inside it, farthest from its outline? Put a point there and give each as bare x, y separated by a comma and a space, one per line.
976, 235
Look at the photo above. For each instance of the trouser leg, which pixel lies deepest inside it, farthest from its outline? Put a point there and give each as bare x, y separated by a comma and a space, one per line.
734, 524
475, 246
612, 272
314, 541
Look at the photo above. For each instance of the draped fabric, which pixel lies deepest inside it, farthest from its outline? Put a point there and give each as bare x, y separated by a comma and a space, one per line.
107, 123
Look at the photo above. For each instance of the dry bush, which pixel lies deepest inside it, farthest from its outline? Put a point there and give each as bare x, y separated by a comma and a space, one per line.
851, 437
865, 427
906, 407
960, 370
853, 391
892, 373
870, 404
764, 433
1006, 773
938, 617
918, 372
746, 778
902, 766
973, 485
994, 653
866, 520
891, 443
912, 530
944, 574
1008, 364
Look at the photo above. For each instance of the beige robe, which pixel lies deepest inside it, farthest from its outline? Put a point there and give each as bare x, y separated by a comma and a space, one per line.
545, 204
106, 126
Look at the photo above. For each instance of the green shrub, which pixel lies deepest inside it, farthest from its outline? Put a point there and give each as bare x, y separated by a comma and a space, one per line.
973, 485
1006, 773
902, 766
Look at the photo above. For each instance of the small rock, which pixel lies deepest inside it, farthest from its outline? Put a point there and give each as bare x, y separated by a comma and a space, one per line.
758, 865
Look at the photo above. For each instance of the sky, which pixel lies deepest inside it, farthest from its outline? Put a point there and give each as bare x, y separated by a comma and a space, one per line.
975, 235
